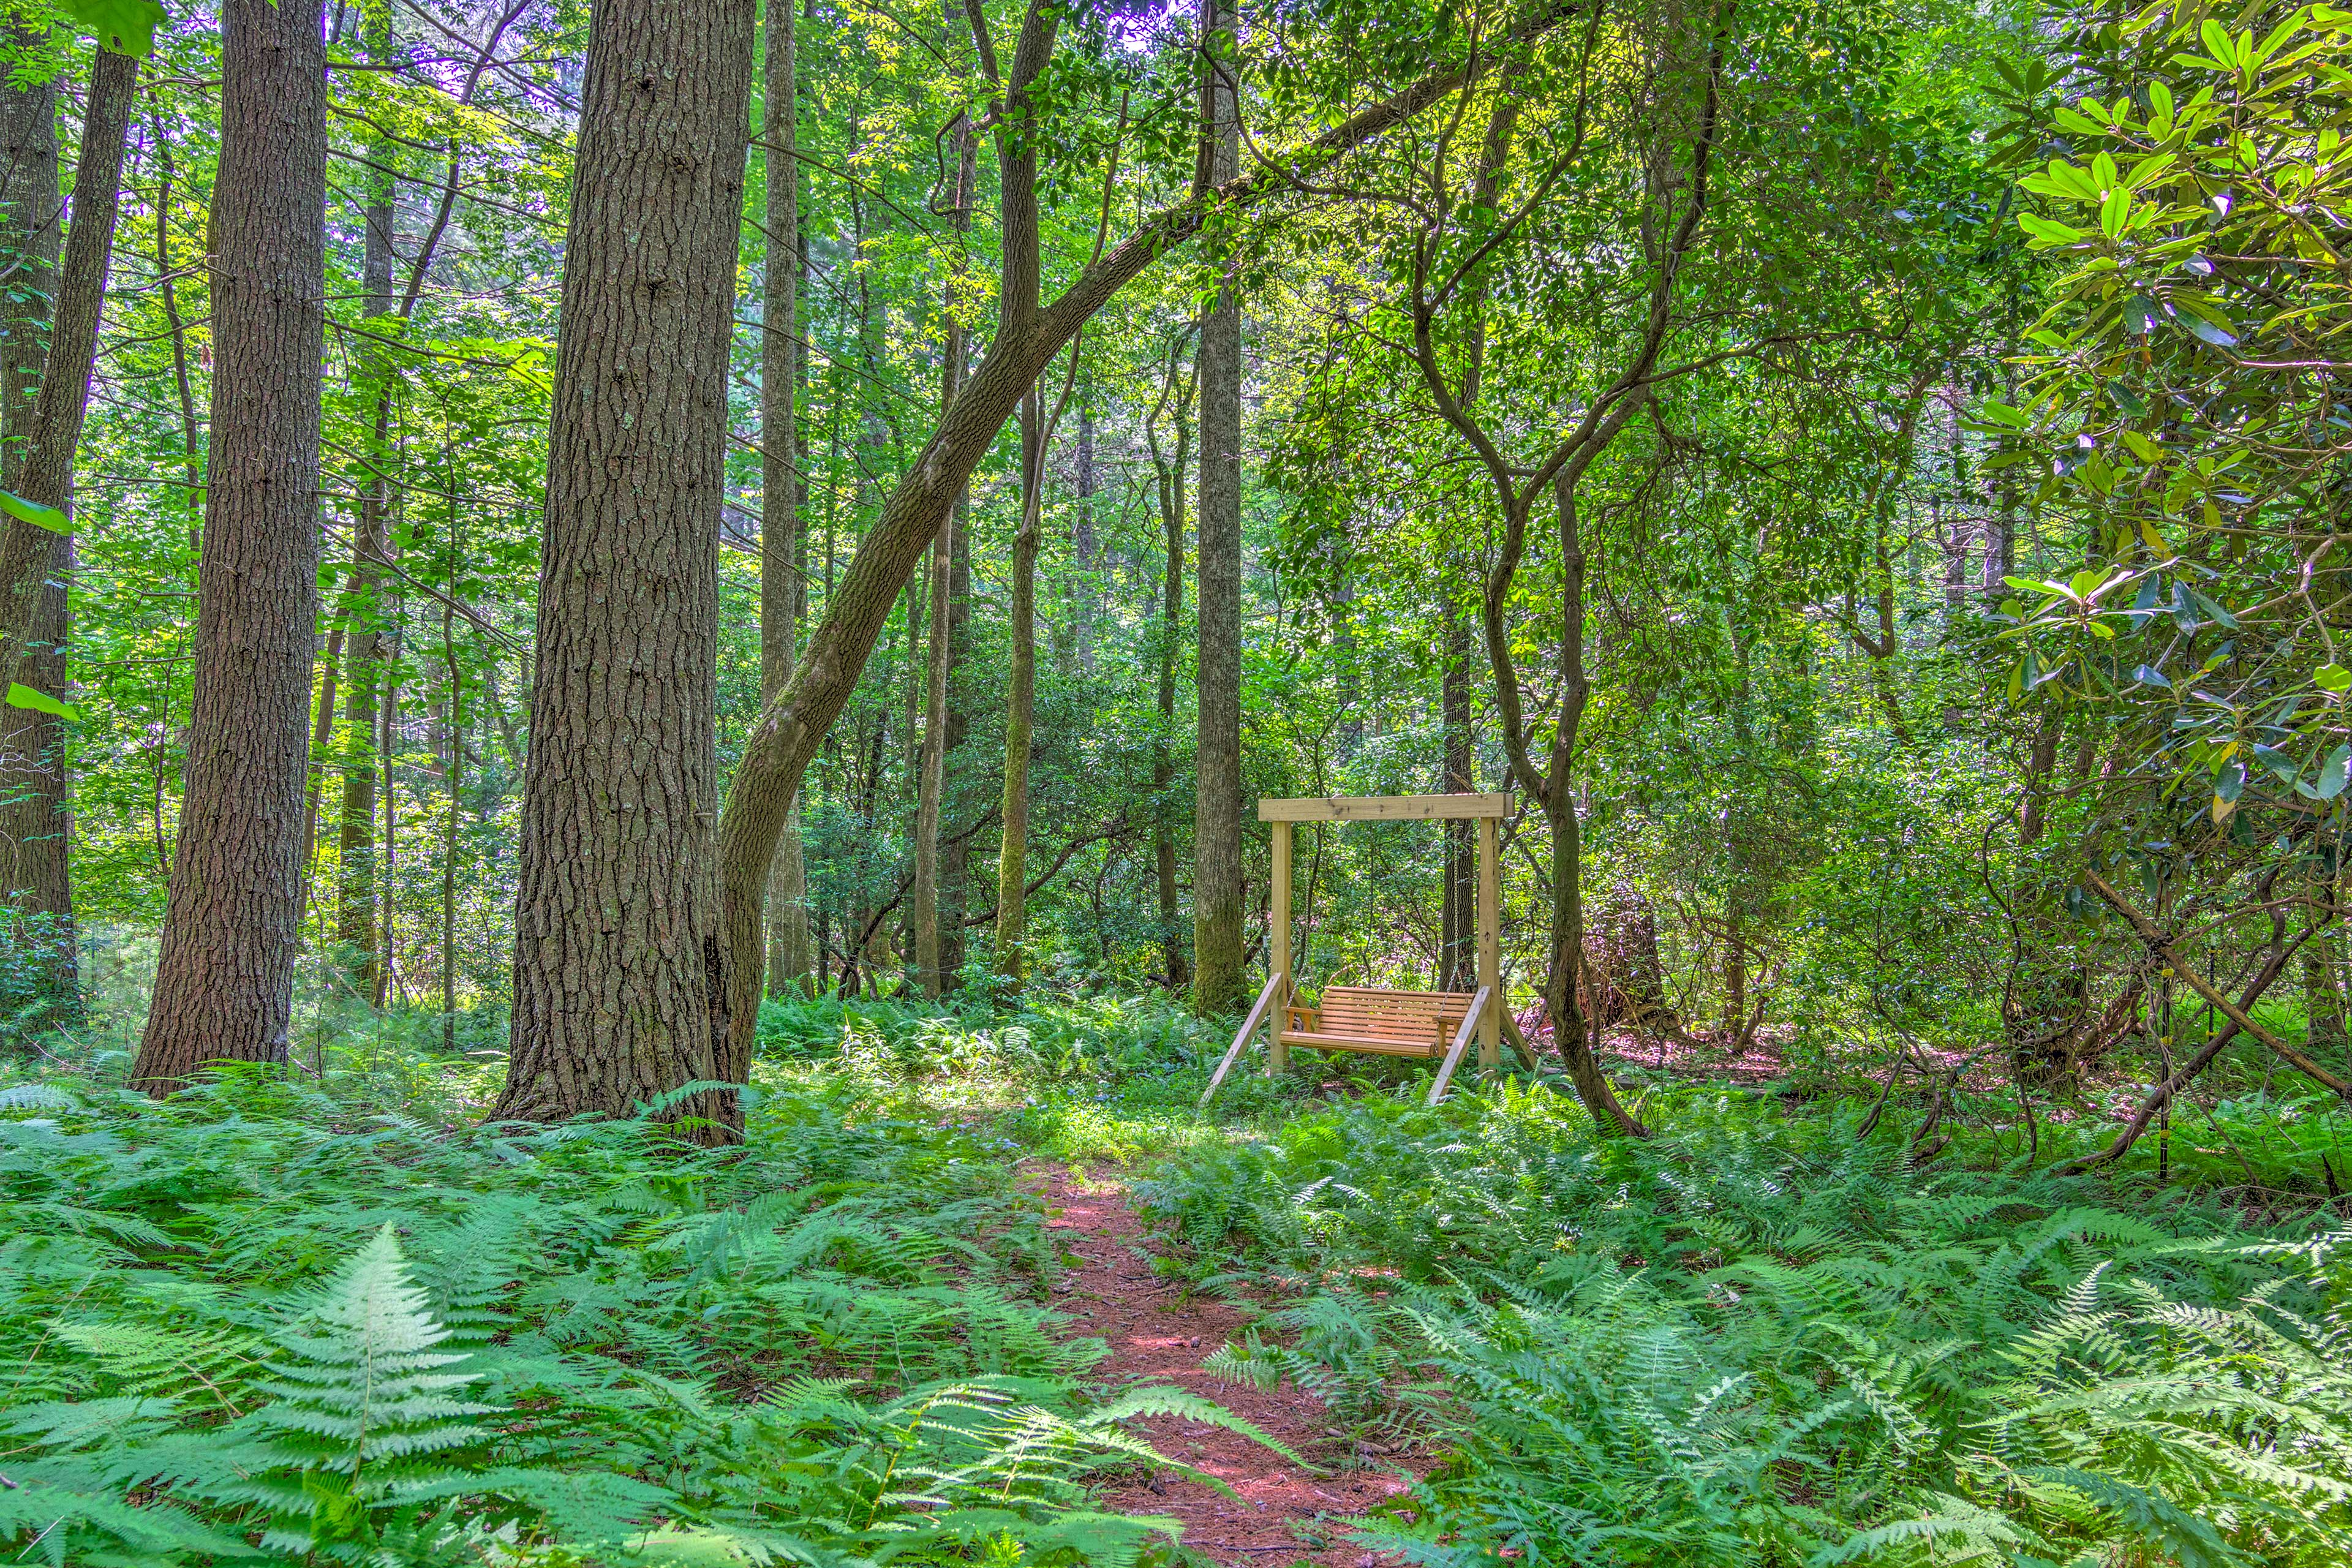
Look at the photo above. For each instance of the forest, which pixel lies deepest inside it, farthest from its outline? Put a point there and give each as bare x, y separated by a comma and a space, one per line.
1175, 784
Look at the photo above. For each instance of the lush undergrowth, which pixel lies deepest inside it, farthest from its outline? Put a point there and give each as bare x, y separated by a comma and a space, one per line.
275, 1320
293, 1317
1758, 1341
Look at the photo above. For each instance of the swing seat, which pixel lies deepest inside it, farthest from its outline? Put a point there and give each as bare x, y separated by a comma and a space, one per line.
1378, 1022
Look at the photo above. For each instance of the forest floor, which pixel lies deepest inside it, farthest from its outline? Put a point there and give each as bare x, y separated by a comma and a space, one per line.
1159, 1333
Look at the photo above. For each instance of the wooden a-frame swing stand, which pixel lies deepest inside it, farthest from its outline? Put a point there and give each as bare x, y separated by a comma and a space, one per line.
1364, 1018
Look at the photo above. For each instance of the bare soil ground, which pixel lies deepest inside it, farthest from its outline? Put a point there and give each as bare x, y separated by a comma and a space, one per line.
1156, 1337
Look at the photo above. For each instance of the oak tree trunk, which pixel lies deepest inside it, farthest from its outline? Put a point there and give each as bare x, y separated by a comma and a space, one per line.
223, 980
617, 994
1217, 981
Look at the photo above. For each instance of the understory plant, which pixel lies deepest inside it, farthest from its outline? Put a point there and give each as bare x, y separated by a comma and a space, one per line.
1752, 1341
260, 1322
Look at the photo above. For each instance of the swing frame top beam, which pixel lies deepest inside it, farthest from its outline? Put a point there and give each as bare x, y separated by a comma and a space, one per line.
1384, 808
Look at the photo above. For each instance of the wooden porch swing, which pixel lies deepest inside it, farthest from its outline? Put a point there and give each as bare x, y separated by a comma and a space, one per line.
1368, 1018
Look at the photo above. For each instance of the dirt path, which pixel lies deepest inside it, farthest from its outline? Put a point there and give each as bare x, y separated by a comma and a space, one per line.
1154, 1338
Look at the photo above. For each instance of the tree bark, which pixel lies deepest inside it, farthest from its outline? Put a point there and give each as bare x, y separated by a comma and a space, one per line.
29, 222
1013, 847
1177, 395
790, 730
1458, 956
35, 828
1571, 1028
955, 849
930, 962
357, 875
783, 590
1218, 985
223, 982
617, 941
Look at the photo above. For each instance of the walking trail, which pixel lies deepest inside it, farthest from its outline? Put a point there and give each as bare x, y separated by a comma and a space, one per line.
1281, 1515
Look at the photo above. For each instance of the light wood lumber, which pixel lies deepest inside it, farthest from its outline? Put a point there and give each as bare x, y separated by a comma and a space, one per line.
1257, 1016
1277, 1054
1384, 808
1490, 943
1460, 1043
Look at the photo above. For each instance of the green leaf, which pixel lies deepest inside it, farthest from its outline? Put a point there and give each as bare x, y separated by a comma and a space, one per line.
2214, 609
2332, 678
21, 696
2333, 773
35, 513
124, 26
2046, 233
2211, 333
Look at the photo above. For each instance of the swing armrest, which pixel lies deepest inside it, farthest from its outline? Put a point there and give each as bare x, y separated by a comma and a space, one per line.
1301, 1020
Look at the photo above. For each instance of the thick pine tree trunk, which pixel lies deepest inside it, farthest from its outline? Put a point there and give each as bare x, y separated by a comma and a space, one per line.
223, 983
617, 960
783, 592
1218, 985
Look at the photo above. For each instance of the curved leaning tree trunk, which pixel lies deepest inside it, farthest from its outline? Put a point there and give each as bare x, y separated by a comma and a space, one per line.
778, 750
223, 983
617, 955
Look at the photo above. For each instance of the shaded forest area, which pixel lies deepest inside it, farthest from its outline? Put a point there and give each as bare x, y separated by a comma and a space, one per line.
642, 642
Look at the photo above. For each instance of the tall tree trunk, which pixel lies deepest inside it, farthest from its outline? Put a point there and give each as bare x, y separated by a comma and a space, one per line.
453, 777
36, 829
783, 590
1178, 394
955, 852
358, 878
225, 979
29, 221
1458, 962
930, 949
617, 960
1013, 851
1218, 985
386, 750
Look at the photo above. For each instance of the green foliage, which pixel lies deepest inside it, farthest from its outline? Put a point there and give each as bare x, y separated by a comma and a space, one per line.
263, 1322
1753, 1341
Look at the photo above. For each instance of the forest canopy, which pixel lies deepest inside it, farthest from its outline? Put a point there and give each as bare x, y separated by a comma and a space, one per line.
1616, 722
